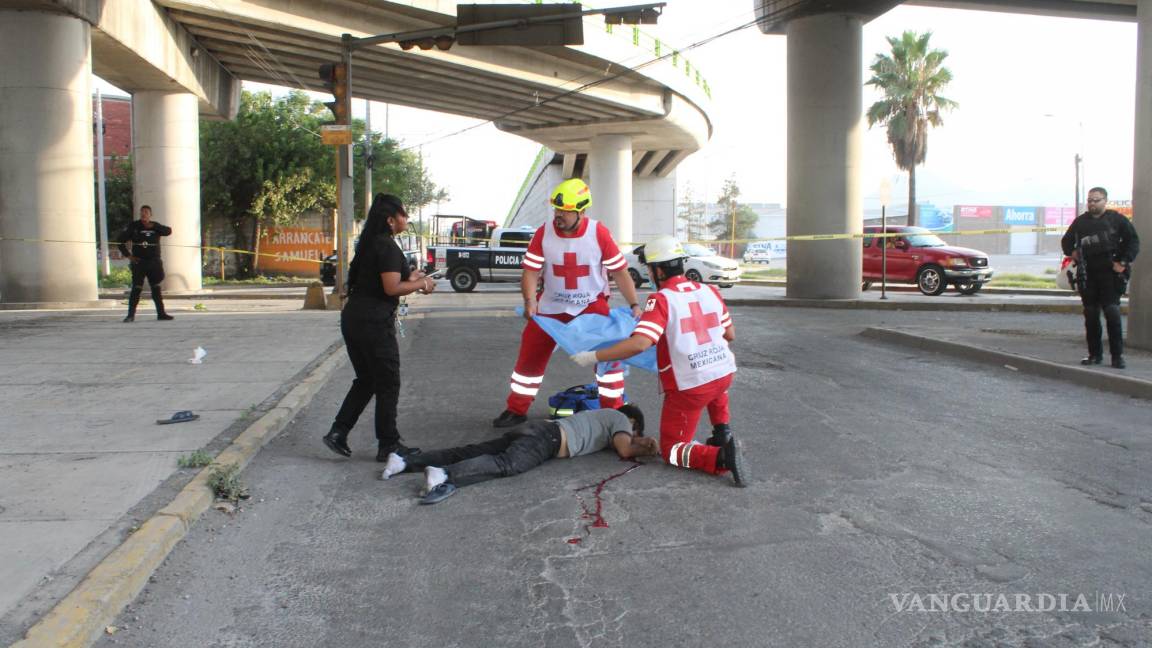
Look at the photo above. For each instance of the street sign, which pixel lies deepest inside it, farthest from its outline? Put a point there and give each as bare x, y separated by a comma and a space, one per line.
336, 134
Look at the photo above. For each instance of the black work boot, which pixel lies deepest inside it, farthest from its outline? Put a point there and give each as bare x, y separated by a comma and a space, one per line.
732, 457
158, 299
337, 441
508, 418
133, 302
720, 435
1118, 362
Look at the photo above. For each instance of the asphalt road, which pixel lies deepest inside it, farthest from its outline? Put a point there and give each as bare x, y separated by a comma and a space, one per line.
881, 474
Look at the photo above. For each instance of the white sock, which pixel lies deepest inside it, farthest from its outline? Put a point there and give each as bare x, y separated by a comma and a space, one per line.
433, 477
395, 466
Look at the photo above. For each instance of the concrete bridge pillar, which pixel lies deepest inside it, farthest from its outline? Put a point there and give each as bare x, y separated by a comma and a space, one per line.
1140, 290
166, 163
611, 183
46, 162
825, 124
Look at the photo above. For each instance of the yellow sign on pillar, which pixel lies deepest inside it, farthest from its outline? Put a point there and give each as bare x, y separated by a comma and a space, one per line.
336, 134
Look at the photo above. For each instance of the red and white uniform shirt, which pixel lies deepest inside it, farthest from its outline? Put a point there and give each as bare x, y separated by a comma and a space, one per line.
575, 268
686, 321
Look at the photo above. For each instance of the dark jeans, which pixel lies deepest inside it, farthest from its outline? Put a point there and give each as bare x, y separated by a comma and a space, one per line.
153, 270
522, 448
370, 338
1102, 291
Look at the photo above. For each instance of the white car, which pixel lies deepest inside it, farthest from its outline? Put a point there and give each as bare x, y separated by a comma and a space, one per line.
758, 255
702, 265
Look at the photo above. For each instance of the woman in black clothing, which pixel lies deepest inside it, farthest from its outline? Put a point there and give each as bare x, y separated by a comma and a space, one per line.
378, 276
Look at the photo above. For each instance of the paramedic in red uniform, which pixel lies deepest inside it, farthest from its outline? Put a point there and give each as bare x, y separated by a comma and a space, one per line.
574, 255
691, 328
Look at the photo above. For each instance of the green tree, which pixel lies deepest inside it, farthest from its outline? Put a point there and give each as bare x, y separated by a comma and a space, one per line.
736, 223
691, 212
268, 167
911, 78
117, 196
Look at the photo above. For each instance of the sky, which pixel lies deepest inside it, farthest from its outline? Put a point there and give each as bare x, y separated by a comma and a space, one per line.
1032, 92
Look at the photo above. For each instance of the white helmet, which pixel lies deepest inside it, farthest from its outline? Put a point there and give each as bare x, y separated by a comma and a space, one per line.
663, 248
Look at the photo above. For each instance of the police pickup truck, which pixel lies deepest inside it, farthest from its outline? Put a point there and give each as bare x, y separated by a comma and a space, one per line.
497, 261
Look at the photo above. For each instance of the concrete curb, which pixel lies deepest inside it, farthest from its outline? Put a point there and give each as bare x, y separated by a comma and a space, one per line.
933, 305
81, 617
1134, 387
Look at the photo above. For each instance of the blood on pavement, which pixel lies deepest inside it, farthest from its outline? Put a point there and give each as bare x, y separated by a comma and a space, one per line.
597, 515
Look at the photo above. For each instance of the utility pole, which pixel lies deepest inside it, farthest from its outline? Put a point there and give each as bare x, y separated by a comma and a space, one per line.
369, 157
106, 265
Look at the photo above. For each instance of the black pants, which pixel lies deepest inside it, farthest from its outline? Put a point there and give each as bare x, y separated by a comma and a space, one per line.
153, 271
370, 338
1101, 293
521, 449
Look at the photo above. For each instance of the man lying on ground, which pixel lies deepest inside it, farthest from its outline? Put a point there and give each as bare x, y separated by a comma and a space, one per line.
525, 447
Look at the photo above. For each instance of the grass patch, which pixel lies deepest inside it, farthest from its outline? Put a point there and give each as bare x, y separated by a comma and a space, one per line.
226, 484
1020, 280
118, 277
258, 280
766, 273
197, 459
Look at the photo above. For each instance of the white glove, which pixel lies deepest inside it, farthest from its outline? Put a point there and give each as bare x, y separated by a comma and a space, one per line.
584, 358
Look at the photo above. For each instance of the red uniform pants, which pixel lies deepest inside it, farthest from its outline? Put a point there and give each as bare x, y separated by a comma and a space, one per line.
536, 348
678, 419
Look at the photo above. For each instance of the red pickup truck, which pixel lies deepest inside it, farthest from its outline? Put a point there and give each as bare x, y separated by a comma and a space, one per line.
916, 255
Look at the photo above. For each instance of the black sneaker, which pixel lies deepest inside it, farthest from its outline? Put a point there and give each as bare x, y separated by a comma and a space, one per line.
1118, 362
1091, 360
732, 458
508, 419
164, 317
130, 318
439, 494
399, 448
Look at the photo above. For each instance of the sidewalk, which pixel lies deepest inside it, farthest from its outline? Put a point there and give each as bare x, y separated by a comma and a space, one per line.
83, 463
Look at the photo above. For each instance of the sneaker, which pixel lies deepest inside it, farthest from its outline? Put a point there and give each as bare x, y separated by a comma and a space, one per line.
439, 494
164, 317
1118, 362
732, 458
398, 448
508, 418
1091, 360
130, 318
395, 466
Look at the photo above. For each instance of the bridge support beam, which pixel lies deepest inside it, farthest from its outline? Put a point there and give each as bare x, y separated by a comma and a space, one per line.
825, 92
166, 156
1140, 290
46, 162
611, 183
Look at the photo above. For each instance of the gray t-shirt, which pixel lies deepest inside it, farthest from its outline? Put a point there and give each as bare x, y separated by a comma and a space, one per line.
592, 430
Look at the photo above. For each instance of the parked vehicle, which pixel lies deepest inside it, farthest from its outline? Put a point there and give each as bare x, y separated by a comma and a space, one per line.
757, 255
328, 266
498, 259
918, 256
702, 265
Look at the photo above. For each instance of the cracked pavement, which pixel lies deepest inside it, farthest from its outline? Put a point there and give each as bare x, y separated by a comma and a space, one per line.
879, 471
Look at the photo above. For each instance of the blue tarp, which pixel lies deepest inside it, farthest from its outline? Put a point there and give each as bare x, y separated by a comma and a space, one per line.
590, 332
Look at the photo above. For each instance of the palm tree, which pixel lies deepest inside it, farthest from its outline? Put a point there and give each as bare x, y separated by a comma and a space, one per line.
910, 77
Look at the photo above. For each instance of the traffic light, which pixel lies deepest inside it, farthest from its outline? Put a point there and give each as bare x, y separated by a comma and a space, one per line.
335, 78
636, 16
441, 42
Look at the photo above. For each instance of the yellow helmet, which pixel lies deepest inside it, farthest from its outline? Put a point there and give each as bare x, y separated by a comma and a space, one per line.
572, 195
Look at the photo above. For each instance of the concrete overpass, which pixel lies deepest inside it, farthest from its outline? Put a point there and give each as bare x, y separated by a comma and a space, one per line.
825, 129
182, 59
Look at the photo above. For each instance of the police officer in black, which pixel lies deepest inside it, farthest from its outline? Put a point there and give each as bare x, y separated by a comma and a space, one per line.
379, 275
1104, 243
144, 260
